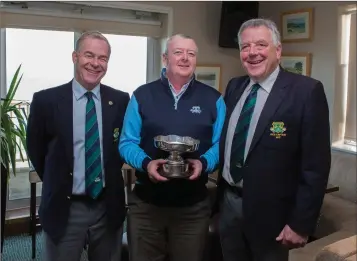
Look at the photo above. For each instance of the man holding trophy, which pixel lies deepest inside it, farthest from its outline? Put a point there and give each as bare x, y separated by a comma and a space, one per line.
170, 135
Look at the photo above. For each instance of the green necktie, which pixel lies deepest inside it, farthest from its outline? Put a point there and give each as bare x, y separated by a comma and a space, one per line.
240, 135
93, 164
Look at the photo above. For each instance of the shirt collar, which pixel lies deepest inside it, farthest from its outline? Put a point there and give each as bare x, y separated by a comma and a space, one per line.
268, 83
79, 90
184, 87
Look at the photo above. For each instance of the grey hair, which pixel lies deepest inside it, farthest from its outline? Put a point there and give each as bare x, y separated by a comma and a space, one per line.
257, 23
92, 35
174, 36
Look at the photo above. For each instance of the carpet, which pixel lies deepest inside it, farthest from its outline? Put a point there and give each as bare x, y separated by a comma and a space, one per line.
18, 248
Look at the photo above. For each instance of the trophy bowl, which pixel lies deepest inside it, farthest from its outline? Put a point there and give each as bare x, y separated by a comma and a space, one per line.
176, 166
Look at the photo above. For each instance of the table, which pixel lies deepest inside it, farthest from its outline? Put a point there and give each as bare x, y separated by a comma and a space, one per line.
331, 188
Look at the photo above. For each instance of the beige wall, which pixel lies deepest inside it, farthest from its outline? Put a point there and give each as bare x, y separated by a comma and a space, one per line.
343, 174
201, 21
323, 47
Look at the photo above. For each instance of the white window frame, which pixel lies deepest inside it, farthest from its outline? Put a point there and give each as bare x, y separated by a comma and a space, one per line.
3, 87
340, 95
154, 48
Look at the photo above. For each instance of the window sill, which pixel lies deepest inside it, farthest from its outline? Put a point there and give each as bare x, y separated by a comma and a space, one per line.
18, 214
18, 222
340, 146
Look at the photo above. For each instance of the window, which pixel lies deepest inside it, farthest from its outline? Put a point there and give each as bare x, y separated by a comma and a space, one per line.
44, 65
344, 127
350, 84
41, 37
127, 64
41, 63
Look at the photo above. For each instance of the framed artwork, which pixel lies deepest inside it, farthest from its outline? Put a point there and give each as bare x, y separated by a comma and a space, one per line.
299, 63
210, 75
297, 26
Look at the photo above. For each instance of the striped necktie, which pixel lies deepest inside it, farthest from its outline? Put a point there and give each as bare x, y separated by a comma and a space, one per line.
241, 133
93, 164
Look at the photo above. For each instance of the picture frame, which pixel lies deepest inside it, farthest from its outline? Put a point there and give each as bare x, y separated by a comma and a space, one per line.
299, 63
297, 26
210, 74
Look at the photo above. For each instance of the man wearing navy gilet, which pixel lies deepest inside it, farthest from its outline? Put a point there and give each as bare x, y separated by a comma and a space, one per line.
170, 217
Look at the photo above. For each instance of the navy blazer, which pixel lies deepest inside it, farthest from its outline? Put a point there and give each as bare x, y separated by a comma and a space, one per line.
50, 149
285, 175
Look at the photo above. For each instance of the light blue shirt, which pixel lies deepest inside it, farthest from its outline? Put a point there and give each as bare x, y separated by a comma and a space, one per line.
177, 96
79, 123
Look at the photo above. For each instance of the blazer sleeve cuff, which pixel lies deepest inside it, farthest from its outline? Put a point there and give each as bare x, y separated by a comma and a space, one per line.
145, 164
204, 163
302, 229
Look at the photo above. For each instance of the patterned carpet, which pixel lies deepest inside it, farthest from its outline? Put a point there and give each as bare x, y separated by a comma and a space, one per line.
18, 248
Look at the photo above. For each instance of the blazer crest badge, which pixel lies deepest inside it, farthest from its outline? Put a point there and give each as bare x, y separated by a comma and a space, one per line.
116, 134
277, 129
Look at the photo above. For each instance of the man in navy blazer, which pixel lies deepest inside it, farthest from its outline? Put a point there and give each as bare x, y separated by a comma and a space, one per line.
72, 141
274, 152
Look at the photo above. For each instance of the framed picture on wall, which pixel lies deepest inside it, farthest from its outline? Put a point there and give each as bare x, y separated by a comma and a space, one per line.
297, 26
210, 75
299, 63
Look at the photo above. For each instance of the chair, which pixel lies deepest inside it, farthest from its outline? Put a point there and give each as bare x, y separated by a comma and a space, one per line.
34, 179
129, 181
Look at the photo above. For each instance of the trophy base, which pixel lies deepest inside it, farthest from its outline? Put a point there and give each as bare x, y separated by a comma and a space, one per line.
174, 171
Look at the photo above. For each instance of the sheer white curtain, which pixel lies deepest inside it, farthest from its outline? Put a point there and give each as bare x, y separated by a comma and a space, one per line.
350, 128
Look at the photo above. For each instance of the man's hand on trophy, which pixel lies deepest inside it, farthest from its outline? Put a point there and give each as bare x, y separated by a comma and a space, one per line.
152, 169
195, 167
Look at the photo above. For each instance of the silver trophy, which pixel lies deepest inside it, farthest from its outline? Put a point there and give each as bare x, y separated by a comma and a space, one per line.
176, 166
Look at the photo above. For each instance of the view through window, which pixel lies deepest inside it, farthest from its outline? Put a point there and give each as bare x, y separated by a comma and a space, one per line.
127, 63
349, 56
46, 62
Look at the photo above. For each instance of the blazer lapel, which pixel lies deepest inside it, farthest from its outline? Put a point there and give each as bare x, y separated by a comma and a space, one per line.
272, 104
238, 92
231, 100
65, 114
109, 109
